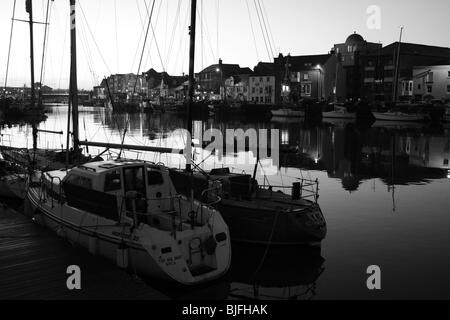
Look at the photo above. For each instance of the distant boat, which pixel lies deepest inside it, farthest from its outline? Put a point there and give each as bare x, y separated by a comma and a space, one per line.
339, 112
398, 116
288, 112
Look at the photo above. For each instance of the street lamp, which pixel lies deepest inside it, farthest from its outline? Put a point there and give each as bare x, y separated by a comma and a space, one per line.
221, 80
319, 91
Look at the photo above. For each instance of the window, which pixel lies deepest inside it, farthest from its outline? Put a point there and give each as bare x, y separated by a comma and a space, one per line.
79, 181
134, 179
253, 90
419, 87
446, 162
112, 181
261, 79
154, 177
305, 76
261, 90
306, 89
448, 88
429, 89
448, 75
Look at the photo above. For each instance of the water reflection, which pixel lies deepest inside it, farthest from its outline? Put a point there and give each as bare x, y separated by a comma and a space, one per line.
398, 154
289, 273
259, 273
412, 160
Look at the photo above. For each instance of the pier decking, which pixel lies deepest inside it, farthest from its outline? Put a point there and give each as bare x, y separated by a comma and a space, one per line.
33, 264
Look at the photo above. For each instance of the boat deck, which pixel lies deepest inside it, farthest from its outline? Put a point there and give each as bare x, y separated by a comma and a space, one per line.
33, 264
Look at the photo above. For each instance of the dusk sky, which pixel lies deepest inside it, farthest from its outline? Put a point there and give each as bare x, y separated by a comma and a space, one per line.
296, 27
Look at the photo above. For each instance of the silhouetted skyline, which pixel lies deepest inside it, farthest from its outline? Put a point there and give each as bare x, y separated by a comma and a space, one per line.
296, 27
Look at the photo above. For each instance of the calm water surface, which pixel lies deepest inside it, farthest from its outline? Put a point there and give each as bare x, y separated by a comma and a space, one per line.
384, 191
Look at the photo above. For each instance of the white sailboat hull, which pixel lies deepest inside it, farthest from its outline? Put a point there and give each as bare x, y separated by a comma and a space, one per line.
143, 250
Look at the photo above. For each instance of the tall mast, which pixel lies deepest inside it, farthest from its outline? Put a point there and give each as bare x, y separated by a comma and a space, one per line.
29, 9
73, 91
191, 78
397, 67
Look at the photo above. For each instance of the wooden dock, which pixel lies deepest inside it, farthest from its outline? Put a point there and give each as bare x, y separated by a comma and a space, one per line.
33, 264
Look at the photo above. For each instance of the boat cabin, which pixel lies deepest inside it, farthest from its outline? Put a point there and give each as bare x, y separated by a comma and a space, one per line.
108, 188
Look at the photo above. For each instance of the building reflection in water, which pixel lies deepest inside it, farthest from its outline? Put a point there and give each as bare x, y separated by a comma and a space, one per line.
345, 151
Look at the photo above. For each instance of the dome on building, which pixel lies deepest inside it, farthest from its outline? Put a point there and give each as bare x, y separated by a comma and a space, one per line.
354, 38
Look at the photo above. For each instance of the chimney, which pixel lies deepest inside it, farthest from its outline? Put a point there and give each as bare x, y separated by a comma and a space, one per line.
220, 64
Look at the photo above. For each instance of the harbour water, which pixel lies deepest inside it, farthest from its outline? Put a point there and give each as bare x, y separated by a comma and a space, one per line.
383, 191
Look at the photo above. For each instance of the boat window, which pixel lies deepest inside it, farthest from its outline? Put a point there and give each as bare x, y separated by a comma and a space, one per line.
134, 179
154, 177
112, 181
79, 181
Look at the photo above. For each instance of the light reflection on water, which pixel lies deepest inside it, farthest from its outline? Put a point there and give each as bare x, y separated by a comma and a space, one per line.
383, 191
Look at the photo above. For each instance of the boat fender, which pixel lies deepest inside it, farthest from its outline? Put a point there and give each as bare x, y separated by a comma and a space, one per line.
210, 245
60, 232
122, 252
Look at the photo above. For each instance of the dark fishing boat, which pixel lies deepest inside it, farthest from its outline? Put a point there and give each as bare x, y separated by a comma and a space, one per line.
255, 213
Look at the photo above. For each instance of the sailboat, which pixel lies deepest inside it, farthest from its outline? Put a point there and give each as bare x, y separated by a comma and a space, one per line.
128, 211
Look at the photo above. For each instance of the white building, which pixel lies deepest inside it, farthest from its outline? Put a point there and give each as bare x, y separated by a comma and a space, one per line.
432, 82
262, 89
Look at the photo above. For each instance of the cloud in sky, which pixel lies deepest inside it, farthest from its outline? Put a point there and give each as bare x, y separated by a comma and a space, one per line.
110, 33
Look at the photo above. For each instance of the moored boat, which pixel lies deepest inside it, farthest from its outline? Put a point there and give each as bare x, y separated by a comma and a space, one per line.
339, 112
398, 116
129, 212
258, 214
287, 112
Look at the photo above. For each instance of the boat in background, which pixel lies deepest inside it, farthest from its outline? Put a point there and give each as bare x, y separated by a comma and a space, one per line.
399, 116
339, 112
288, 113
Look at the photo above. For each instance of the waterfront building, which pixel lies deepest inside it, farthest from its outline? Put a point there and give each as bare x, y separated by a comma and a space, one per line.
379, 70
161, 84
349, 66
262, 84
301, 77
211, 80
237, 87
429, 82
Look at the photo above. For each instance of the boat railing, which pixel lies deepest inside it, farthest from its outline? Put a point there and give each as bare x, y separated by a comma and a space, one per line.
302, 189
45, 189
177, 206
